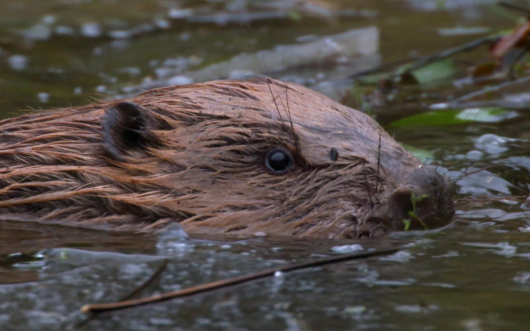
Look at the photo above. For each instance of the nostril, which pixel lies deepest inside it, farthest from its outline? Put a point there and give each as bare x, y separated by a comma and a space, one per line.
403, 199
364, 234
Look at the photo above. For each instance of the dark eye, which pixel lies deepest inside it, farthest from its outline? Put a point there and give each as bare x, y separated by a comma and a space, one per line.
279, 161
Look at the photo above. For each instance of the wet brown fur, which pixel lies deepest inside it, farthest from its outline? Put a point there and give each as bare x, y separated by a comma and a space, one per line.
201, 163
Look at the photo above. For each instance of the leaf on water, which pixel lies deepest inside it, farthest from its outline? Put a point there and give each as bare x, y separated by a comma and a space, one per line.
423, 155
430, 119
455, 117
372, 79
435, 72
486, 115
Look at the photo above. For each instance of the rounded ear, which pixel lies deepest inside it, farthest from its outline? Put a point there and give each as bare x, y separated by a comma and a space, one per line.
129, 126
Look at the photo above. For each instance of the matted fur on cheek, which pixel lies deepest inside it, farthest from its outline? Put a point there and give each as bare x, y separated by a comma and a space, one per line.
311, 202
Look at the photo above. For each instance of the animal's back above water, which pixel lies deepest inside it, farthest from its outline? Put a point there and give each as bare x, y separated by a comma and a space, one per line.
236, 157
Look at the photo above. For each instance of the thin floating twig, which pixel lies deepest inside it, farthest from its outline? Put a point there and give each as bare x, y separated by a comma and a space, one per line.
383, 67
514, 7
489, 89
426, 60
150, 280
105, 307
134, 293
420, 62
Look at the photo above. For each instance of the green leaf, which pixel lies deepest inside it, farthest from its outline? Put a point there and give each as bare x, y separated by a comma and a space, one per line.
430, 119
407, 224
295, 16
435, 72
423, 155
486, 115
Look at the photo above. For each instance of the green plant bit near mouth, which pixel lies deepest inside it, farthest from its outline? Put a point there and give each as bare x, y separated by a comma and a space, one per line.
412, 213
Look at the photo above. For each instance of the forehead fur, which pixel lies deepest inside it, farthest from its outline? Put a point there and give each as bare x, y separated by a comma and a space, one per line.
319, 122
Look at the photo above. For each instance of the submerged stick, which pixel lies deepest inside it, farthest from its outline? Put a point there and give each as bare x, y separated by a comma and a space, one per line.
105, 307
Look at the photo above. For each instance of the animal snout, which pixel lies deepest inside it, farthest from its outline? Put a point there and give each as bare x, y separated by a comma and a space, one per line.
423, 198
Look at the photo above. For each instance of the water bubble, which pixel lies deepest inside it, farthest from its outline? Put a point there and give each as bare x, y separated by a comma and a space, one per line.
43, 97
174, 240
236, 6
260, 234
101, 89
355, 309
503, 248
38, 32
474, 155
344, 249
180, 80
133, 71
120, 34
48, 19
78, 90
185, 36
18, 62
175, 231
180, 13
162, 24
160, 321
154, 63
492, 144
241, 74
63, 30
414, 309
401, 256
91, 30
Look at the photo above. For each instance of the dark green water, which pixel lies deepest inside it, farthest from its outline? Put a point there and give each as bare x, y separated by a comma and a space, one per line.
474, 275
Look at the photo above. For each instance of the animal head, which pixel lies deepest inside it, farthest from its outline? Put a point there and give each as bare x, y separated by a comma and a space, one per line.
236, 157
